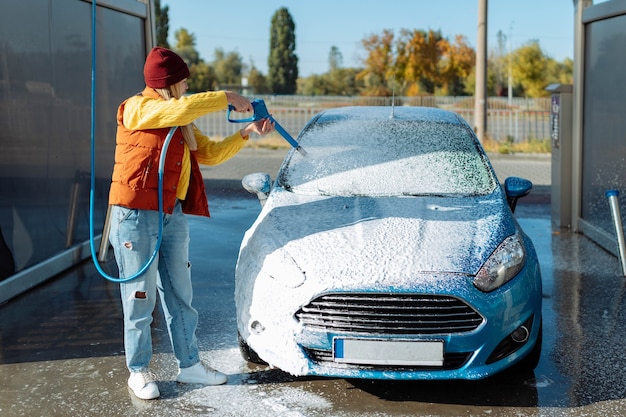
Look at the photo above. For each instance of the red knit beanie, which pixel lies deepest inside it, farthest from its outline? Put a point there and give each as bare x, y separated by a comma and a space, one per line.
164, 68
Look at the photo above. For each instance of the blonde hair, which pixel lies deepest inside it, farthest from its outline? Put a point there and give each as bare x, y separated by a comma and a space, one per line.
177, 91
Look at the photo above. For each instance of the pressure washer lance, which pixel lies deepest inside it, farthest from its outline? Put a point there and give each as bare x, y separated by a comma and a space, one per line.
260, 113
617, 222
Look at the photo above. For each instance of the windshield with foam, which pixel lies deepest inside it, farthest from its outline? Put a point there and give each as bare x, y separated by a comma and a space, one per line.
388, 158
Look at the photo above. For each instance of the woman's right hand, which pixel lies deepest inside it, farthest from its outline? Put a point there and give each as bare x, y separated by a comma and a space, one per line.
240, 103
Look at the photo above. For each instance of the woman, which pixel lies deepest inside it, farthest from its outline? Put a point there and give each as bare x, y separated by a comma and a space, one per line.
143, 122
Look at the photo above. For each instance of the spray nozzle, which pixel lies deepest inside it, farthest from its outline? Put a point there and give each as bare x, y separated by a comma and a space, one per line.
260, 113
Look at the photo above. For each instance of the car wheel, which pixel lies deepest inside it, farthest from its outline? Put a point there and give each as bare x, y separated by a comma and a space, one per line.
247, 353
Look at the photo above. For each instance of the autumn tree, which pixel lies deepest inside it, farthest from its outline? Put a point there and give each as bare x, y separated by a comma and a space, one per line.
417, 62
379, 70
529, 67
419, 54
456, 65
282, 61
561, 72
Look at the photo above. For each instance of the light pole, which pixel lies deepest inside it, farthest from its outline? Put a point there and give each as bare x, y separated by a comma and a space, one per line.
480, 98
510, 89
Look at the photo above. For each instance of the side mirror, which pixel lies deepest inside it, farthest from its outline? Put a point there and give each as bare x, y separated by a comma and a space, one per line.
516, 188
258, 183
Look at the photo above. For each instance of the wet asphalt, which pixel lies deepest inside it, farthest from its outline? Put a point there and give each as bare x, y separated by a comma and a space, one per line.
61, 351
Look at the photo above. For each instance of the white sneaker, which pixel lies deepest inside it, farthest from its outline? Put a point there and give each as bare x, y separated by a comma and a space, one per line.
200, 374
143, 386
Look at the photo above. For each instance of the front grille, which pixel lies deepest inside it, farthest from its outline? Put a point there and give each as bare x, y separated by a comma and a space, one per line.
389, 314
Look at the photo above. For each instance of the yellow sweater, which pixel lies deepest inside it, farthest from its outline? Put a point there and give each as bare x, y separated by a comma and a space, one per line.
150, 111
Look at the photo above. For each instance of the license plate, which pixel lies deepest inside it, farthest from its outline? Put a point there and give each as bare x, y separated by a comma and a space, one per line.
388, 352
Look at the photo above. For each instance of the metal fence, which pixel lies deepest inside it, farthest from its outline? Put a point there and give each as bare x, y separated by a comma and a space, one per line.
517, 120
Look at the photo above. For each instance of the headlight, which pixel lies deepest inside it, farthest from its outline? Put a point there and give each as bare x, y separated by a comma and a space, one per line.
503, 264
282, 267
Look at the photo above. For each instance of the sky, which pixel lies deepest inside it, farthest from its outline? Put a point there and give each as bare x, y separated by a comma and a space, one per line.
243, 26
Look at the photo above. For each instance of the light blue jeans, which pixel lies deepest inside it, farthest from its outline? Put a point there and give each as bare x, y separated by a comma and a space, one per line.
134, 236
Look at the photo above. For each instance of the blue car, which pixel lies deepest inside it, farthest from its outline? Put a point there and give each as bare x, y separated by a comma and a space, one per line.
388, 249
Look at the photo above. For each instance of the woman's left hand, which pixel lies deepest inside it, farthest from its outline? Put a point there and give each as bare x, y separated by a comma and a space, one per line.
260, 127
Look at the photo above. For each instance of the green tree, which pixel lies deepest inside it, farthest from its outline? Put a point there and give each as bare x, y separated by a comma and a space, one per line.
258, 81
186, 46
335, 59
282, 61
313, 85
470, 82
498, 63
201, 78
228, 67
162, 23
344, 82
340, 82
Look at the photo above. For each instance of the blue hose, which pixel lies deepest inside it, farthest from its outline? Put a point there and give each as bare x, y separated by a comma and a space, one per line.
143, 269
166, 144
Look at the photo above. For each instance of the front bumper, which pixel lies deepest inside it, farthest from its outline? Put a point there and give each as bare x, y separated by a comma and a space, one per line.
286, 342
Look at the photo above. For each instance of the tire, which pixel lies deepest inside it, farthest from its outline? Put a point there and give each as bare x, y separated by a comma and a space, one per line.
247, 353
